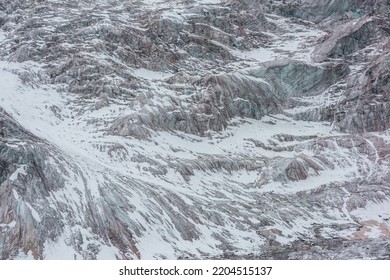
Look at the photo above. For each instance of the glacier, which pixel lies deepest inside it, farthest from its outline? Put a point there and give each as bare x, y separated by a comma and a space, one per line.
194, 129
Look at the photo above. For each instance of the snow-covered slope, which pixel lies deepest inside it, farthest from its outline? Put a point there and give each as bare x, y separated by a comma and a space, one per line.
193, 129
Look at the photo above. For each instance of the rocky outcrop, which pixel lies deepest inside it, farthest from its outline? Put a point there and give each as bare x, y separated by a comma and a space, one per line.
35, 193
366, 107
104, 67
231, 129
25, 183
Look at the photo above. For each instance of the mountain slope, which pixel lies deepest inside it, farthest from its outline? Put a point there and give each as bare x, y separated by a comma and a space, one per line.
194, 129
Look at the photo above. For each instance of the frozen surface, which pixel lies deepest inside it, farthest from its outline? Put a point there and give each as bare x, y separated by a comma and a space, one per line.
255, 184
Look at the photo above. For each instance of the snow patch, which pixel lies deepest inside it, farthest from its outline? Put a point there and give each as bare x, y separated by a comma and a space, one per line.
15, 193
34, 213
373, 210
20, 170
151, 75
24, 256
107, 253
59, 250
9, 225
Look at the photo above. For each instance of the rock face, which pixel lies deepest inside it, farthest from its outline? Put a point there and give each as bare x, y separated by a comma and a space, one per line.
351, 37
25, 182
194, 129
366, 107
327, 11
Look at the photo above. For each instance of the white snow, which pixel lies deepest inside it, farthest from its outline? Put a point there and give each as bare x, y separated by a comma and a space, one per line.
209, 1
151, 75
15, 193
293, 44
107, 253
34, 213
24, 256
20, 170
261, 54
374, 232
59, 250
9, 225
78, 133
72, 135
373, 210
312, 182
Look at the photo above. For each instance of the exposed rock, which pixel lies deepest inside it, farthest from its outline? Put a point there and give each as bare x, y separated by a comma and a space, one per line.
330, 11
366, 107
215, 129
351, 37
